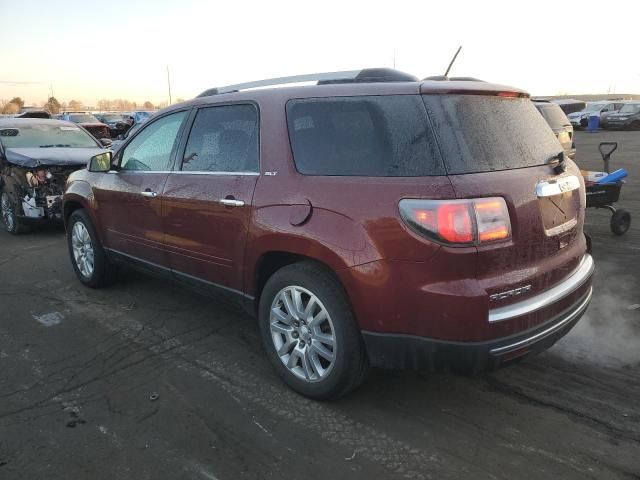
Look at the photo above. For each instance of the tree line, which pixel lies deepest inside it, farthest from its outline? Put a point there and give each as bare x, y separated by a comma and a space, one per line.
52, 105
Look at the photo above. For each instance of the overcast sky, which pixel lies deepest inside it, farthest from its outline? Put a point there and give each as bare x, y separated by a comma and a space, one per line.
88, 50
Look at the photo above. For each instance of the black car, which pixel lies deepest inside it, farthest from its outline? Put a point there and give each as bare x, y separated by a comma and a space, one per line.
36, 157
627, 118
116, 122
560, 125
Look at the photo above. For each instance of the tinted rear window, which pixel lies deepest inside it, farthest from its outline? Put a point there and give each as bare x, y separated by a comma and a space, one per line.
375, 136
554, 116
478, 133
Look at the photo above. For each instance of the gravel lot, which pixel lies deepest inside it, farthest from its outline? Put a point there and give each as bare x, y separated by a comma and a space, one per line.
146, 380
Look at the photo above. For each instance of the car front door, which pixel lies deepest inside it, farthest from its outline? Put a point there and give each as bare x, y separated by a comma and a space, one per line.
207, 201
129, 199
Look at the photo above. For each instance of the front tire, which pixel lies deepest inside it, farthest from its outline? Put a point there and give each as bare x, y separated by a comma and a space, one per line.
87, 256
309, 332
10, 212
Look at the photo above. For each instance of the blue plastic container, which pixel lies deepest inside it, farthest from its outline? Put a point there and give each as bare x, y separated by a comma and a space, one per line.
594, 123
614, 177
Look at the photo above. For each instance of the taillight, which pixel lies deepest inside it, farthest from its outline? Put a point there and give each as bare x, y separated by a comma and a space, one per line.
492, 219
459, 222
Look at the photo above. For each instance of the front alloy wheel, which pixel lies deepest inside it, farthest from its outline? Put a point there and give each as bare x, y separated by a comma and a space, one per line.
82, 247
8, 216
303, 333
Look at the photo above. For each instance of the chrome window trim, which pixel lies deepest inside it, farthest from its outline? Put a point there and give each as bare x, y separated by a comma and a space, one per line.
200, 172
552, 329
572, 283
124, 170
183, 172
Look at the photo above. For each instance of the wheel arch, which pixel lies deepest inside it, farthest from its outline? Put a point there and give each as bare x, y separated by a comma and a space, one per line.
78, 195
270, 262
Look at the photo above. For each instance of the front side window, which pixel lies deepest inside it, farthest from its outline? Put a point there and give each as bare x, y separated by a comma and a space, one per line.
373, 136
223, 139
630, 108
153, 147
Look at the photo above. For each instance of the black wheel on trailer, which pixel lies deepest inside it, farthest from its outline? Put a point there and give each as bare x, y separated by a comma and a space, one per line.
620, 222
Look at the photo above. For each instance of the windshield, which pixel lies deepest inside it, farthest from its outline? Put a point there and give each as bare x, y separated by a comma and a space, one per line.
141, 116
83, 118
594, 107
111, 117
480, 133
43, 136
630, 108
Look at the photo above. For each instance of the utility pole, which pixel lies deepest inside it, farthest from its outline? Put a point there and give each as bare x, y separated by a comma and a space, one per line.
169, 84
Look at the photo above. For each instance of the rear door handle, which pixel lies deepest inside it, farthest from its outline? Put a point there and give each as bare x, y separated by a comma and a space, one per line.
230, 202
149, 194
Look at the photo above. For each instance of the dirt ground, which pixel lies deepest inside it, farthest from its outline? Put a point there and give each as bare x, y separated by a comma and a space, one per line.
146, 380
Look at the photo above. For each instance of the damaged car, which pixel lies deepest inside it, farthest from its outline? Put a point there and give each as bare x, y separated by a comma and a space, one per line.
36, 157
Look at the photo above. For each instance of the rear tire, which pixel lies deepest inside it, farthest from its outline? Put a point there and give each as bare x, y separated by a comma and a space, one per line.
87, 255
620, 222
309, 332
10, 213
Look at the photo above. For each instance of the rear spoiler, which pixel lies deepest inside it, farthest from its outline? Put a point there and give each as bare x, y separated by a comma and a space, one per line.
435, 87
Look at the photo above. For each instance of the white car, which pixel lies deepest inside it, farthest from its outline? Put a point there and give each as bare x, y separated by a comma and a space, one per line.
581, 119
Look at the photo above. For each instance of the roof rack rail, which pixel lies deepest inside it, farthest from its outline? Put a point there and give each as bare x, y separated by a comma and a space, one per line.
366, 75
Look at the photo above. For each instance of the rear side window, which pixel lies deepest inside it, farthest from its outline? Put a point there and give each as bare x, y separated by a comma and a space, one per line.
479, 133
223, 139
374, 136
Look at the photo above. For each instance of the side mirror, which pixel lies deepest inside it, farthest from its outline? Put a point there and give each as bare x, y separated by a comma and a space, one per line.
100, 162
106, 142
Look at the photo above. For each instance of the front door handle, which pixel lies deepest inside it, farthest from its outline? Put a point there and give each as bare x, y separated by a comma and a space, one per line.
149, 194
230, 202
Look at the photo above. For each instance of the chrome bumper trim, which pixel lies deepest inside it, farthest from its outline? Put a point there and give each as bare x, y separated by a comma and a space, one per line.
545, 333
575, 280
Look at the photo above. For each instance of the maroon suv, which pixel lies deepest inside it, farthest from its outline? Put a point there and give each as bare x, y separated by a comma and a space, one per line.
370, 219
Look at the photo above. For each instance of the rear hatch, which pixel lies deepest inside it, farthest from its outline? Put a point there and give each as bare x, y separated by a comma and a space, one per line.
498, 145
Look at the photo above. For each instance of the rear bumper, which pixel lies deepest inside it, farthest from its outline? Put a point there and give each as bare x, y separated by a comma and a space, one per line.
402, 351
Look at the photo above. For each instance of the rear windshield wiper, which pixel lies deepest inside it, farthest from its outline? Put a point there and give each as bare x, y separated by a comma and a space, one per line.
560, 166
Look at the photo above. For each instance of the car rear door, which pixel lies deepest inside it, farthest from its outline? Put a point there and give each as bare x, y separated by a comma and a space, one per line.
495, 146
207, 201
129, 199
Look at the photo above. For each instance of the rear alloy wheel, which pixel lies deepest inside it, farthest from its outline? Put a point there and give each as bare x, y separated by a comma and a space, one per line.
10, 215
302, 333
309, 332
